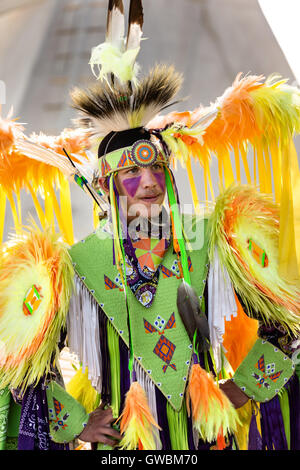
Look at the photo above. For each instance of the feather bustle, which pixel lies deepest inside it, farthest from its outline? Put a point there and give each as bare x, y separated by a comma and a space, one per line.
36, 257
275, 302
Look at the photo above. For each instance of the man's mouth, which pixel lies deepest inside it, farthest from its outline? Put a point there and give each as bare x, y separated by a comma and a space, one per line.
150, 197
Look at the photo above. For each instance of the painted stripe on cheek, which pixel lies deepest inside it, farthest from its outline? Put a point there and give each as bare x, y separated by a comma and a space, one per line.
131, 185
160, 178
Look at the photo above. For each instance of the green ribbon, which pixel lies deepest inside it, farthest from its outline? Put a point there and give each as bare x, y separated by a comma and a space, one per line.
183, 256
177, 226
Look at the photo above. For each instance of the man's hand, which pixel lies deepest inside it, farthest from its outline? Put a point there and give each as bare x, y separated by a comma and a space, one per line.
237, 397
99, 429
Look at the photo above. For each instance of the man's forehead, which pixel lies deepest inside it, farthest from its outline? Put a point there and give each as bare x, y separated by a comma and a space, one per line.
154, 166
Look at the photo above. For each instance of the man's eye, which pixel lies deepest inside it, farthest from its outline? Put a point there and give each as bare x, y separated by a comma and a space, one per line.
133, 170
157, 166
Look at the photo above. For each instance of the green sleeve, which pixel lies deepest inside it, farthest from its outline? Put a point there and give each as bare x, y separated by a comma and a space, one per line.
67, 417
5, 399
264, 371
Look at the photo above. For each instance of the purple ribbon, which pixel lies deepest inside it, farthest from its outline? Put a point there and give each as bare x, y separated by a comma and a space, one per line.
272, 427
293, 389
255, 441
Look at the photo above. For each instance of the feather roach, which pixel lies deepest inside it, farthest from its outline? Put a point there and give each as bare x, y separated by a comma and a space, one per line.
113, 110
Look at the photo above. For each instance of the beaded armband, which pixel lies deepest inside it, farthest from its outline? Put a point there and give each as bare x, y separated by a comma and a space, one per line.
67, 417
265, 370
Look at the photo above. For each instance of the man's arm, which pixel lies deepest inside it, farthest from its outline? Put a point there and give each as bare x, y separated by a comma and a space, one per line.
99, 428
69, 420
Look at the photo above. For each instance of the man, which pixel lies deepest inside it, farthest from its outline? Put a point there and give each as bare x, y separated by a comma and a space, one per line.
143, 191
147, 317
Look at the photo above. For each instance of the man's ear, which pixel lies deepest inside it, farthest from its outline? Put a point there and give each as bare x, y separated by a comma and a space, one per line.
103, 183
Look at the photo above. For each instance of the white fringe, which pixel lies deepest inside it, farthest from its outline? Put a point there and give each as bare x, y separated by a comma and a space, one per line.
221, 305
83, 332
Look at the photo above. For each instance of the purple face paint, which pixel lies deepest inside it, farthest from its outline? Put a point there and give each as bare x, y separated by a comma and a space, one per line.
131, 185
160, 178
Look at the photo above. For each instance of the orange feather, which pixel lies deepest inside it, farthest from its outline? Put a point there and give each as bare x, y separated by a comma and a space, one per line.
136, 406
239, 327
72, 140
136, 420
9, 131
213, 414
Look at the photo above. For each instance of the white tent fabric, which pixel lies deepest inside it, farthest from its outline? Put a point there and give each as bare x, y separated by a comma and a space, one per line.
283, 18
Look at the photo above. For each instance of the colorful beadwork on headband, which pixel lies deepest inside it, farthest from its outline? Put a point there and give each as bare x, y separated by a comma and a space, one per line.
131, 156
144, 153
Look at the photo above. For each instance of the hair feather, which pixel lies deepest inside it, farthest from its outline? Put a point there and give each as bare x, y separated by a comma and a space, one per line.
115, 26
135, 24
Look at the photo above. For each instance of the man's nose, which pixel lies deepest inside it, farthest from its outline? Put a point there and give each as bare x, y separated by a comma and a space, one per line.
148, 178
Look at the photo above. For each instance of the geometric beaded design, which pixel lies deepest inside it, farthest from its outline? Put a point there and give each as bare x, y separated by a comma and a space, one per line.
268, 373
60, 421
164, 348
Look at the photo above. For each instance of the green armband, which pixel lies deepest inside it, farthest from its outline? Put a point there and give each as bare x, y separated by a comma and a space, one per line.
264, 371
67, 417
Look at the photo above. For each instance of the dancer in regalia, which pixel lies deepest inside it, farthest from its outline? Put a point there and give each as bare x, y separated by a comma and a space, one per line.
186, 326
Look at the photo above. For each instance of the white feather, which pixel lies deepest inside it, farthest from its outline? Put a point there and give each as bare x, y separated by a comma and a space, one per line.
121, 121
87, 166
43, 155
115, 27
134, 36
118, 122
